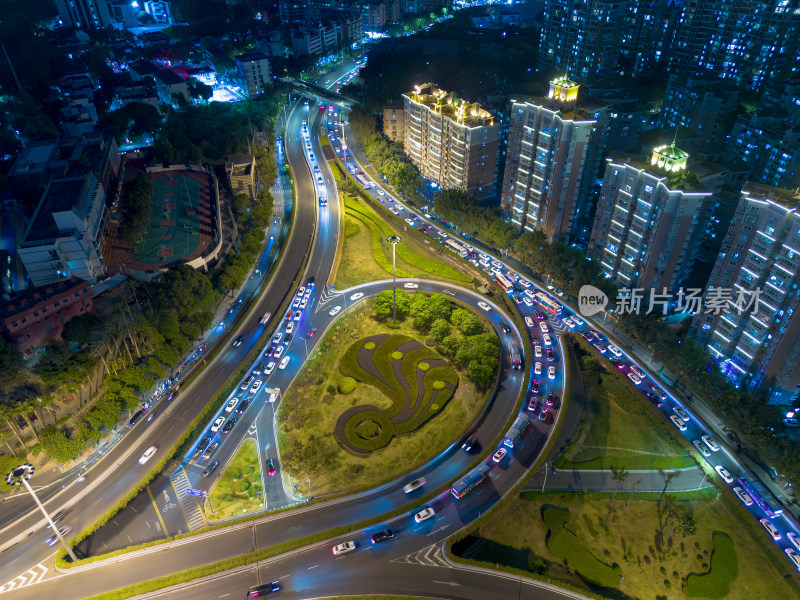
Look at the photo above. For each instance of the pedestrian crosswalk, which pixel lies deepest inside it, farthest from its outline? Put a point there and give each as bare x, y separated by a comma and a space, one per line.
431, 556
188, 503
29, 577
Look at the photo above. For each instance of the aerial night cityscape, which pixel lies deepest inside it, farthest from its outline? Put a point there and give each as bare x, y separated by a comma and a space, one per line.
394, 299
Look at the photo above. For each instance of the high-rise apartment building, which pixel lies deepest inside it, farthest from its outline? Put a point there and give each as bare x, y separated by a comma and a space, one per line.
253, 68
98, 14
769, 144
759, 346
452, 142
650, 220
554, 146
583, 37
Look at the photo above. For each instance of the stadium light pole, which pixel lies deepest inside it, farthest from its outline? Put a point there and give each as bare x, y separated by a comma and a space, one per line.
394, 240
19, 476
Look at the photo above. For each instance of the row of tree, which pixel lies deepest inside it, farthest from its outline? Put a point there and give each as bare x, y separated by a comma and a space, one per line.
135, 207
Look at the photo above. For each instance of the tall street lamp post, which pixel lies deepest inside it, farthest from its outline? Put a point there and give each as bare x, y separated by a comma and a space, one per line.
394, 240
20, 475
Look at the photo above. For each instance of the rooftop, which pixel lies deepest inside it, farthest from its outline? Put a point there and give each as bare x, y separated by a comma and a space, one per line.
449, 105
251, 56
787, 198
60, 196
684, 180
34, 157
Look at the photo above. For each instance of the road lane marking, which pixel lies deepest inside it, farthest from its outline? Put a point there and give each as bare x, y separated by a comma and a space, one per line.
314, 567
158, 512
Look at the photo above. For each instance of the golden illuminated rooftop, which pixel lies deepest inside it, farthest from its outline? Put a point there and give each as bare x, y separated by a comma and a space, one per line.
670, 158
563, 89
469, 114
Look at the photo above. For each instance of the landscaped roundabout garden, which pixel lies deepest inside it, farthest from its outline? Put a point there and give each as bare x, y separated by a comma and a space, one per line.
375, 401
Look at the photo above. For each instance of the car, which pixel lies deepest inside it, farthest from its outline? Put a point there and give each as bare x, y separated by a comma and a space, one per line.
537, 351
724, 473
539, 315
527, 301
239, 339
586, 335
546, 339
217, 424
398, 206
284, 362
148, 454
425, 514
743, 496
356, 296
271, 470
537, 368
309, 288
259, 368
596, 335
701, 448
516, 298
297, 315
634, 379
270, 368
614, 350
276, 339
600, 348
290, 327
551, 399
53, 539
210, 450
311, 332
654, 399
568, 322
256, 386
709, 441
504, 326
771, 529
528, 321
410, 285
246, 383
63, 513
449, 293
300, 291
678, 422
413, 485
303, 303
638, 371
617, 363
203, 443
344, 548
499, 455
231, 405
577, 320
543, 326
484, 306
524, 283
551, 372
334, 311
290, 313
544, 413
658, 392
382, 536
470, 442
681, 413
794, 539
381, 193
794, 557
550, 356
410, 221
533, 404
535, 386
242, 406
230, 424
296, 302
263, 590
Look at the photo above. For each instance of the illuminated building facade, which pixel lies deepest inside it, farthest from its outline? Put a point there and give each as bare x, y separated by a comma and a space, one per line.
769, 145
647, 228
552, 159
761, 251
452, 142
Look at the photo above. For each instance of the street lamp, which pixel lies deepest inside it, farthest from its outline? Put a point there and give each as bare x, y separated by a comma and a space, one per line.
20, 475
394, 240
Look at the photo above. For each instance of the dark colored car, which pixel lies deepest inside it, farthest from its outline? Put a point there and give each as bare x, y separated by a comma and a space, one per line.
310, 280
204, 443
259, 368
271, 470
654, 399
60, 515
270, 351
263, 590
471, 442
212, 466
504, 326
229, 424
243, 405
382, 536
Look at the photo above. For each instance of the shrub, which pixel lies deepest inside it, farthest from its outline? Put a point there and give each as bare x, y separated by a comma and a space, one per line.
434, 407
438, 385
423, 366
369, 346
397, 355
347, 385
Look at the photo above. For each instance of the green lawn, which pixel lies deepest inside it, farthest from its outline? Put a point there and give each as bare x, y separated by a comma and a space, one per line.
653, 564
621, 428
311, 406
239, 489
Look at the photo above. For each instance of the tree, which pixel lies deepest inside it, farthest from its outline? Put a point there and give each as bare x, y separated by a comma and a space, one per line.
10, 365
135, 207
633, 489
620, 475
684, 523
668, 477
440, 329
57, 445
383, 303
79, 329
482, 372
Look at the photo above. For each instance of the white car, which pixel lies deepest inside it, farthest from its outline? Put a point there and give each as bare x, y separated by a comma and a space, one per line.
356, 296
537, 350
410, 222
547, 341
537, 368
551, 372
614, 350
794, 557
543, 326
256, 386
743, 496
678, 423
344, 548
484, 306
231, 405
217, 424
524, 283
148, 454
381, 193
499, 455
527, 301
265, 317
568, 322
681, 413
528, 321
636, 380
284, 362
273, 397
424, 514
794, 539
335, 310
414, 485
724, 473
638, 371
399, 206
701, 448
276, 339
278, 352
709, 441
297, 315
303, 304
577, 320
410, 285
290, 327
771, 529
270, 368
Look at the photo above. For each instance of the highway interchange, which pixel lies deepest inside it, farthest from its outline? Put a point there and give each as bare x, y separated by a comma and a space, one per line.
413, 563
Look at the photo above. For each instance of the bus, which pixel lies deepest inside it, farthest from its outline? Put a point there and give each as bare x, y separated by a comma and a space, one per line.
547, 303
456, 247
760, 494
516, 357
517, 430
363, 181
504, 283
469, 481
